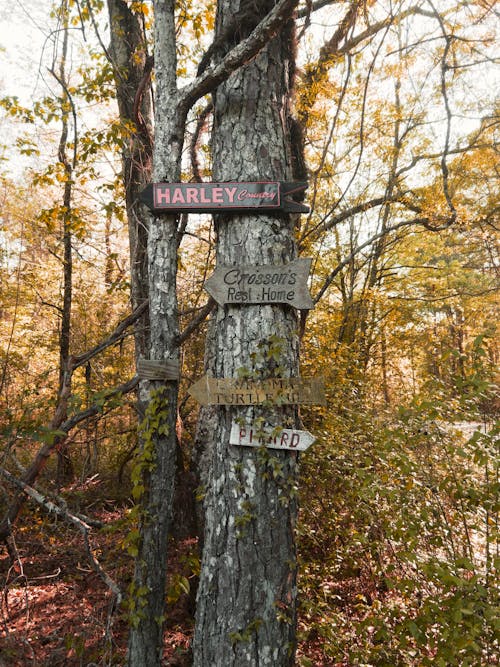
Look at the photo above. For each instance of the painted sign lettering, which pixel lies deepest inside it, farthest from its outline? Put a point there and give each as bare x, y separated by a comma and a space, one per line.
279, 391
231, 196
262, 284
291, 439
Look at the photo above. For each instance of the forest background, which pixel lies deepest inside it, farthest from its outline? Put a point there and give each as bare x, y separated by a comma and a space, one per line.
398, 525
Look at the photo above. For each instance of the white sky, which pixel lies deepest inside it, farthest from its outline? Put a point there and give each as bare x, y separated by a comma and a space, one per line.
23, 31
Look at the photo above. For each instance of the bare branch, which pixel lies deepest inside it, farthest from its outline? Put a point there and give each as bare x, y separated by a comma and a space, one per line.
97, 408
332, 47
329, 222
444, 94
106, 52
65, 514
114, 337
200, 124
362, 246
196, 321
238, 56
60, 428
381, 25
306, 11
435, 156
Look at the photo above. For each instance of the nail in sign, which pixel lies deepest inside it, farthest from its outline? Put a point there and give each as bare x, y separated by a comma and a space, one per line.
286, 283
291, 439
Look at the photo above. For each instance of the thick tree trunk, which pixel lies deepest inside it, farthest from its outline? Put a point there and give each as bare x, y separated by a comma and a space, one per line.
247, 591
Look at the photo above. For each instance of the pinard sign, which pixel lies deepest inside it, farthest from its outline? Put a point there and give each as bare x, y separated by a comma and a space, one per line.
284, 438
230, 196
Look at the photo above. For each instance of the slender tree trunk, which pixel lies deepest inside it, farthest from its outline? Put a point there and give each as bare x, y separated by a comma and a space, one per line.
247, 592
64, 465
158, 446
132, 69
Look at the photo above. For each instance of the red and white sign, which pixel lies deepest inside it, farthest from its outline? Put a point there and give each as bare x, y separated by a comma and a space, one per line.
228, 196
291, 439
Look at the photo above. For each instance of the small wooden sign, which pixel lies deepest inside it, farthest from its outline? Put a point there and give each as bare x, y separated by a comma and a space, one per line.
150, 369
248, 436
229, 196
279, 391
286, 283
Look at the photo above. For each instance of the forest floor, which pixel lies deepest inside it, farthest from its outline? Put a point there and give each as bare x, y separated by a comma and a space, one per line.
56, 611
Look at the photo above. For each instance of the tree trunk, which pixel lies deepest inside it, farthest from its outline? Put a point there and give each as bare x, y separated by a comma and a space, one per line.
157, 459
65, 470
132, 70
247, 591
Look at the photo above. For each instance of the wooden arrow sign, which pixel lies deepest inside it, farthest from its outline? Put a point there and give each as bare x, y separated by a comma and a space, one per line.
248, 436
229, 196
286, 283
278, 391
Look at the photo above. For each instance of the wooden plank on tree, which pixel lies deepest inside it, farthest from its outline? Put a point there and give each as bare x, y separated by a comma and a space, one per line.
151, 369
277, 391
286, 438
228, 196
286, 283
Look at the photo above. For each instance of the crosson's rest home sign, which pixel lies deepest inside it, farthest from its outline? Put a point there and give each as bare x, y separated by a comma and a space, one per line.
222, 197
285, 283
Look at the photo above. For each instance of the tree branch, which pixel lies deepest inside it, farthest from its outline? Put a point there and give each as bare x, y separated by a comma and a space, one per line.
381, 25
65, 514
196, 321
60, 428
328, 223
114, 337
238, 56
193, 149
310, 8
359, 248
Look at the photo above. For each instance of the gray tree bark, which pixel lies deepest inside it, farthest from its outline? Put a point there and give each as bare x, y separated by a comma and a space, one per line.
246, 605
158, 432
157, 459
132, 70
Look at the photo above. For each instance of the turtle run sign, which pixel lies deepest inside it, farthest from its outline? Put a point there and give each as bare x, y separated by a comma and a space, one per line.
279, 391
218, 197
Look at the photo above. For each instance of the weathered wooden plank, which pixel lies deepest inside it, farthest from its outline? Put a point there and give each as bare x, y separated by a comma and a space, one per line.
278, 391
286, 283
152, 369
249, 436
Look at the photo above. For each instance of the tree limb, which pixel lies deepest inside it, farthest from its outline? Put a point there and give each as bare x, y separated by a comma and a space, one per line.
114, 337
359, 248
60, 427
328, 223
65, 514
196, 321
246, 50
193, 149
305, 12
